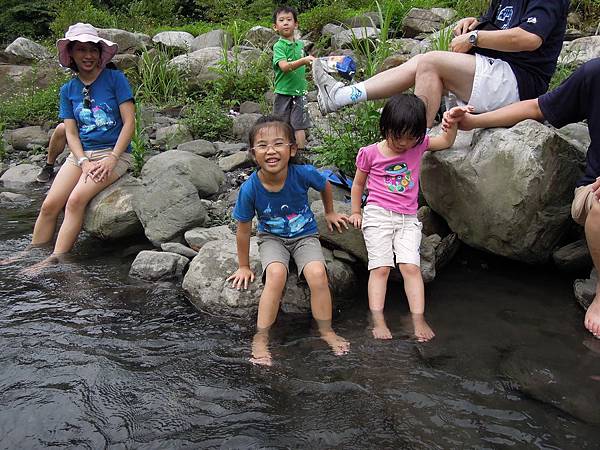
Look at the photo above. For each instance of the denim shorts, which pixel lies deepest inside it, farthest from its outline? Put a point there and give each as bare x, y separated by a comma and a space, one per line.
293, 110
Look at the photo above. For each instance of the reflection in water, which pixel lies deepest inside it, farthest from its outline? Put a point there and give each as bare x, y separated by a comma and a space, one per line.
93, 359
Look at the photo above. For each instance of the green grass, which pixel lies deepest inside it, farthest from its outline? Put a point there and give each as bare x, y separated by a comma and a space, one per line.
156, 82
139, 142
2, 143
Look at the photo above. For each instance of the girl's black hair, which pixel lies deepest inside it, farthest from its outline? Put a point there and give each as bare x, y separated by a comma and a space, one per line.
70, 46
272, 121
286, 10
404, 114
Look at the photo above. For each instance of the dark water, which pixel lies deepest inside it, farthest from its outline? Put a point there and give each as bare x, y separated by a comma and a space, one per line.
93, 359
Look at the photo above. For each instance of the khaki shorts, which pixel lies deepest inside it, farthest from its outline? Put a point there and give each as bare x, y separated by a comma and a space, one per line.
303, 249
123, 164
388, 233
582, 203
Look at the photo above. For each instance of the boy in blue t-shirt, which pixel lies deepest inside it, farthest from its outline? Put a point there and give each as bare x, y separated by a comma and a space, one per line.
576, 99
278, 194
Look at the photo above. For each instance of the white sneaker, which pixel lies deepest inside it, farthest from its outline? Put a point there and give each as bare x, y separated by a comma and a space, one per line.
327, 86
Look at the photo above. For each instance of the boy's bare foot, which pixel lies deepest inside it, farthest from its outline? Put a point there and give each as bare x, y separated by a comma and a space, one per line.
260, 349
423, 331
380, 329
338, 344
592, 317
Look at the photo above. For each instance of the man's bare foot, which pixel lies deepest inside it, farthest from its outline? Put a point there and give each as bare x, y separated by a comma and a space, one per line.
423, 331
592, 317
338, 344
380, 329
35, 270
260, 349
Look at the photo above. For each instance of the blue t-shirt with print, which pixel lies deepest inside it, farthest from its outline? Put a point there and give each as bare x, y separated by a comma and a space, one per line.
285, 213
577, 99
544, 18
100, 124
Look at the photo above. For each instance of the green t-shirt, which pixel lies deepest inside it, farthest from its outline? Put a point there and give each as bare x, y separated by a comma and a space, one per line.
294, 82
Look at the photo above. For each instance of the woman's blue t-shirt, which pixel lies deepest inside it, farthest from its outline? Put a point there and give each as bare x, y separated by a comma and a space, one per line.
285, 213
99, 125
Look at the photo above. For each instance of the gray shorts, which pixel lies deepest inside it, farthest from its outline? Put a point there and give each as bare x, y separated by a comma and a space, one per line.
293, 110
303, 249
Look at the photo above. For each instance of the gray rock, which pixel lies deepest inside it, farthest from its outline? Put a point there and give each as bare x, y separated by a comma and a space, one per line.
368, 19
330, 29
27, 138
577, 134
10, 200
11, 74
509, 192
110, 214
180, 249
344, 256
446, 250
199, 147
428, 256
418, 21
174, 40
250, 108
197, 237
155, 266
242, 125
585, 289
169, 207
196, 66
432, 222
261, 37
447, 14
573, 257
214, 38
226, 148
238, 160
25, 50
580, 50
170, 137
20, 176
126, 61
128, 42
346, 38
204, 174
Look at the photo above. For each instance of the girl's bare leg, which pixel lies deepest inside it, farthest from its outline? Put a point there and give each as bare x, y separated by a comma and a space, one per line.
378, 278
415, 293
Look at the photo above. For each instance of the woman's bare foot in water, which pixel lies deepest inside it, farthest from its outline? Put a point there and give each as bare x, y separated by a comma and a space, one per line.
592, 317
260, 349
380, 329
338, 344
35, 270
423, 331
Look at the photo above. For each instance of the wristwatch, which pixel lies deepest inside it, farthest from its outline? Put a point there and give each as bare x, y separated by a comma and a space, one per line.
473, 38
81, 160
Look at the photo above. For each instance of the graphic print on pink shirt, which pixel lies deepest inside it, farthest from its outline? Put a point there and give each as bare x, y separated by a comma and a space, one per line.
393, 182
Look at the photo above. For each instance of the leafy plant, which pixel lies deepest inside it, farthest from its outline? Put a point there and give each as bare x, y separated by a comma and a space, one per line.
441, 40
208, 119
139, 142
347, 131
157, 82
563, 71
2, 143
69, 12
318, 17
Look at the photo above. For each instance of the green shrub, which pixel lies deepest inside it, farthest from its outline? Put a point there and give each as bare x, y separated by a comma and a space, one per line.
315, 19
195, 28
563, 71
2, 143
73, 11
348, 130
30, 19
156, 81
139, 142
236, 83
442, 39
208, 119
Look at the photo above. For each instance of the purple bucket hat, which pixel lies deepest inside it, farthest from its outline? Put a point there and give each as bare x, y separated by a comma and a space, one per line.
84, 32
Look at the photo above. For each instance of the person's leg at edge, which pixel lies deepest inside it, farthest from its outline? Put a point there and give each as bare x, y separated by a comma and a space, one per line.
268, 306
441, 71
415, 293
300, 136
377, 289
57, 144
592, 234
320, 303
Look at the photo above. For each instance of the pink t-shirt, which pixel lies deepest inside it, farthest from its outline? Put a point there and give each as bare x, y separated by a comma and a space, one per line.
393, 183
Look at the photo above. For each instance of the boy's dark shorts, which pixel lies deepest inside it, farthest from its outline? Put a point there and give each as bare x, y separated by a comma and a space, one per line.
293, 110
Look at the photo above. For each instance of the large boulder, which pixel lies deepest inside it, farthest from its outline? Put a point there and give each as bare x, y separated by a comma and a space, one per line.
11, 74
261, 37
28, 138
507, 192
574, 257
128, 42
203, 173
26, 51
199, 147
347, 38
214, 38
157, 266
206, 286
198, 66
171, 136
418, 20
20, 176
13, 200
242, 125
238, 160
110, 214
580, 50
197, 237
174, 40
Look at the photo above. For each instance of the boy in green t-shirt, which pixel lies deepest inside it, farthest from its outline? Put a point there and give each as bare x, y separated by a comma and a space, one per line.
290, 82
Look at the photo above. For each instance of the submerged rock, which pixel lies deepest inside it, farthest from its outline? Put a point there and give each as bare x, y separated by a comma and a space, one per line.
20, 176
11, 200
573, 257
155, 266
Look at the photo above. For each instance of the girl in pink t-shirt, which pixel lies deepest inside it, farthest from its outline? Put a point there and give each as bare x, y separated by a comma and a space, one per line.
390, 169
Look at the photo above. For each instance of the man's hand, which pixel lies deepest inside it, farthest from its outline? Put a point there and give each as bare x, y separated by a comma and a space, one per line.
355, 219
339, 220
465, 25
460, 115
461, 44
241, 278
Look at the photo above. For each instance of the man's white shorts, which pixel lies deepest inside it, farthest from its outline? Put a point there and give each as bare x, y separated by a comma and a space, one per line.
388, 233
494, 85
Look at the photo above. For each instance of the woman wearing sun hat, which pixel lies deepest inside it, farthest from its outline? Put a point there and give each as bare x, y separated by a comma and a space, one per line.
99, 116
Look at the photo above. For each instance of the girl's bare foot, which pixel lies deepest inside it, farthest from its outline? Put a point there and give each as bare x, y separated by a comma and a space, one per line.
423, 331
260, 349
35, 270
338, 344
14, 258
380, 329
592, 318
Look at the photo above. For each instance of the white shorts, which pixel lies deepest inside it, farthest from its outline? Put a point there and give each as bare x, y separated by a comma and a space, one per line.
494, 85
388, 233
